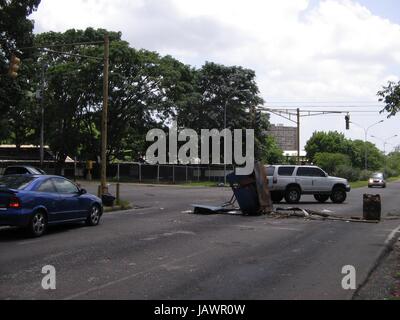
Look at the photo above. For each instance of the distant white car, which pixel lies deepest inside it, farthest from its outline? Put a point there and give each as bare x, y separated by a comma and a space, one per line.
291, 181
377, 180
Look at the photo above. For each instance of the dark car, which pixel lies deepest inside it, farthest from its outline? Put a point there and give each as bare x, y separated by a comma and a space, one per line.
377, 180
22, 170
37, 201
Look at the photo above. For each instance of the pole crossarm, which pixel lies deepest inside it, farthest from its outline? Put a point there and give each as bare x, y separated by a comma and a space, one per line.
281, 114
289, 113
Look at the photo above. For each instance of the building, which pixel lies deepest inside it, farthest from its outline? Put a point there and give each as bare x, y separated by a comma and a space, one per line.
286, 137
23, 153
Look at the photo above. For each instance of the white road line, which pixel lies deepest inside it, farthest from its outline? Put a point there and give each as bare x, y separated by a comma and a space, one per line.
392, 235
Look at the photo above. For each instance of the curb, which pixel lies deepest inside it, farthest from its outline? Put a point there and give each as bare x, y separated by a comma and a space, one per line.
389, 243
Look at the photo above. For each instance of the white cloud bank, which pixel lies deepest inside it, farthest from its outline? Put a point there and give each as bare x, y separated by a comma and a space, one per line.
336, 50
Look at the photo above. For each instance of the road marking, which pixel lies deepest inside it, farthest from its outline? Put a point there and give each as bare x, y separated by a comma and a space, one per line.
108, 284
392, 235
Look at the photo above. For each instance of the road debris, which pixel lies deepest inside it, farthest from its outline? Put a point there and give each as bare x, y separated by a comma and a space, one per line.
286, 212
372, 207
249, 191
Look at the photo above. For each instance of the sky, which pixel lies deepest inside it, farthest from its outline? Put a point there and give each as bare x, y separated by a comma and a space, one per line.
317, 55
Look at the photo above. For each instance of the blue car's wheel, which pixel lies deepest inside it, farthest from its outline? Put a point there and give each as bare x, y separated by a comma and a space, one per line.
93, 218
38, 224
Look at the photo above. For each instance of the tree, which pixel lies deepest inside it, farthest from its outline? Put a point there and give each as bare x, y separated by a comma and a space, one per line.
72, 92
326, 142
393, 164
271, 153
374, 155
15, 33
215, 88
335, 142
390, 95
330, 161
144, 89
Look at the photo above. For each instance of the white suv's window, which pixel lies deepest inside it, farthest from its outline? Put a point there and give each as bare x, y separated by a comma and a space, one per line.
285, 171
270, 171
310, 172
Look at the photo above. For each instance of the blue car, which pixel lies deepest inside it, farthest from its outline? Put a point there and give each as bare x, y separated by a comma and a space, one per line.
37, 201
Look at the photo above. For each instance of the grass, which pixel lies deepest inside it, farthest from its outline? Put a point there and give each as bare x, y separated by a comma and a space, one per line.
199, 184
358, 184
364, 183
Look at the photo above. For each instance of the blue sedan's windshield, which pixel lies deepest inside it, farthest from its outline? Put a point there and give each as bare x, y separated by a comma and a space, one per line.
15, 182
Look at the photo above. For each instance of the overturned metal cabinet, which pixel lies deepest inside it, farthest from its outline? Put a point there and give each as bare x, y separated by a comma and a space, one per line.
251, 192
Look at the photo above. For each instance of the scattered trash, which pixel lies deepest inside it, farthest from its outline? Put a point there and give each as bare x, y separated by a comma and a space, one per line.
316, 215
253, 197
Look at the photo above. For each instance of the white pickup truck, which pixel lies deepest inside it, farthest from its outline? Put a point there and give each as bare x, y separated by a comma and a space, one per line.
291, 181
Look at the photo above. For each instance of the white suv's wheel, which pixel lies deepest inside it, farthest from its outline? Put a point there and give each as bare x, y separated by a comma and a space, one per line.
292, 195
338, 195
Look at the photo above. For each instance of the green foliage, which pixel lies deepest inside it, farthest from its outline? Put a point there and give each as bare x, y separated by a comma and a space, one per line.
374, 155
327, 142
15, 33
393, 164
270, 152
348, 172
146, 91
334, 142
390, 95
330, 161
364, 175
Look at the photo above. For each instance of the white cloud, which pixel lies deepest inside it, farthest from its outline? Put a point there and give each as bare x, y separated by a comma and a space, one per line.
336, 50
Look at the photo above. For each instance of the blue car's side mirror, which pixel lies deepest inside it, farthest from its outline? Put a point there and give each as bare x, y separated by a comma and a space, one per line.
82, 191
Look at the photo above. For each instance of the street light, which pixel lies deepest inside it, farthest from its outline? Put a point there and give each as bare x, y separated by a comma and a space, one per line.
365, 139
385, 141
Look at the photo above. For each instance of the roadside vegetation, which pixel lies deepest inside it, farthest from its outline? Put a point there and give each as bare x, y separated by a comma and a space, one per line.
345, 158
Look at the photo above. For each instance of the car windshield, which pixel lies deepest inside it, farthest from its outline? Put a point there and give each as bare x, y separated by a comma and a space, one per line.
377, 176
35, 170
15, 182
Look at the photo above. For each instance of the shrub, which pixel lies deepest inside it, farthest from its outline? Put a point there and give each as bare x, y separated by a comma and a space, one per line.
365, 175
347, 172
330, 161
389, 172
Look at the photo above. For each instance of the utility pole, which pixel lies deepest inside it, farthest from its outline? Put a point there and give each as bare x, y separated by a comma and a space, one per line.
104, 117
42, 120
298, 136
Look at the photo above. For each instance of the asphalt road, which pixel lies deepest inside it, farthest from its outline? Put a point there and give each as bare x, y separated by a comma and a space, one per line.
161, 251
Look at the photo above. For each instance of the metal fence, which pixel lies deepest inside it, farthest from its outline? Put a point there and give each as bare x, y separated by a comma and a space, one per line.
135, 172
